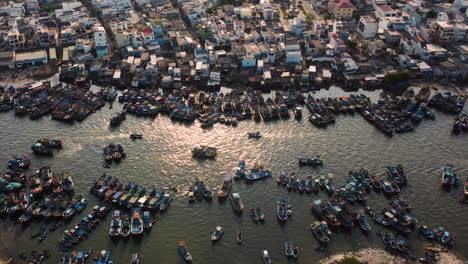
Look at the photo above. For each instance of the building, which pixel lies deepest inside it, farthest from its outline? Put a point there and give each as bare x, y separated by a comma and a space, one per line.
293, 57
341, 8
367, 27
444, 32
385, 11
7, 59
100, 38
33, 58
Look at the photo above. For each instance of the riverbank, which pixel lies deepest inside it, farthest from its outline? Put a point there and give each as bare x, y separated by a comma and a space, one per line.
380, 256
18, 76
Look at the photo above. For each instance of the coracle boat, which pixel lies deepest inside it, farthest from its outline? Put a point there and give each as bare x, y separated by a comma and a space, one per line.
448, 176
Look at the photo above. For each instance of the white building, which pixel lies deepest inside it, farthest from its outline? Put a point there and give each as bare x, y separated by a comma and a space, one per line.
293, 57
100, 38
367, 27
385, 11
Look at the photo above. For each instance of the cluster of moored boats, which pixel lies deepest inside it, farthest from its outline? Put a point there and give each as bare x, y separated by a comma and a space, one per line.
323, 110
448, 102
41, 194
308, 184
36, 257
86, 224
63, 102
130, 195
113, 152
45, 146
123, 225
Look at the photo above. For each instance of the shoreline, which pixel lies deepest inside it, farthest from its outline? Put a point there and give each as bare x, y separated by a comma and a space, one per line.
381, 256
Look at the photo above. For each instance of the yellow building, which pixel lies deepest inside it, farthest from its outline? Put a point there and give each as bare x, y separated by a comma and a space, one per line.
341, 8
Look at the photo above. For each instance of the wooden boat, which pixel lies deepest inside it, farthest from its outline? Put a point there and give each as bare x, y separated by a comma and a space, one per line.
363, 222
387, 186
116, 224
147, 223
448, 175
136, 222
217, 233
136, 136
375, 181
204, 189
258, 175
225, 187
166, 200
256, 135
465, 189
265, 257
315, 161
288, 249
184, 251
126, 227
260, 214
204, 152
281, 209
236, 202
253, 215
135, 258
239, 237
320, 232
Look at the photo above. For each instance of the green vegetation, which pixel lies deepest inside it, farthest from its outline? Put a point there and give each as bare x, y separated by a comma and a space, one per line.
310, 19
392, 77
50, 8
350, 260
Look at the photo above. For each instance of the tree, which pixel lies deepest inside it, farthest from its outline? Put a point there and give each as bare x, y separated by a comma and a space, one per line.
431, 14
393, 77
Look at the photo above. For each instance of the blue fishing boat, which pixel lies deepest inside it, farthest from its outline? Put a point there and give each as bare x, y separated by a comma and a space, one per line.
281, 209
102, 258
258, 175
184, 251
241, 170
387, 186
363, 222
166, 200
136, 222
256, 135
116, 224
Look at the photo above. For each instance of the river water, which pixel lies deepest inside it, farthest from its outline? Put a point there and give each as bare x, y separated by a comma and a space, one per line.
163, 158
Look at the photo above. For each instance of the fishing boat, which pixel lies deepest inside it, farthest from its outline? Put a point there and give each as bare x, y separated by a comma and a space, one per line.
19, 162
136, 136
190, 195
147, 223
387, 186
236, 202
88, 253
465, 189
116, 224
281, 209
375, 181
43, 235
184, 251
363, 222
135, 258
260, 214
448, 175
102, 258
315, 161
41, 149
256, 135
126, 227
217, 233
256, 175
136, 222
253, 215
225, 187
117, 118
288, 249
321, 232
265, 257
239, 237
204, 152
166, 200
204, 190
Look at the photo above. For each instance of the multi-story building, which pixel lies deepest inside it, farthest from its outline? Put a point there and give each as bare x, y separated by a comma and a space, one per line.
444, 32
341, 8
367, 27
